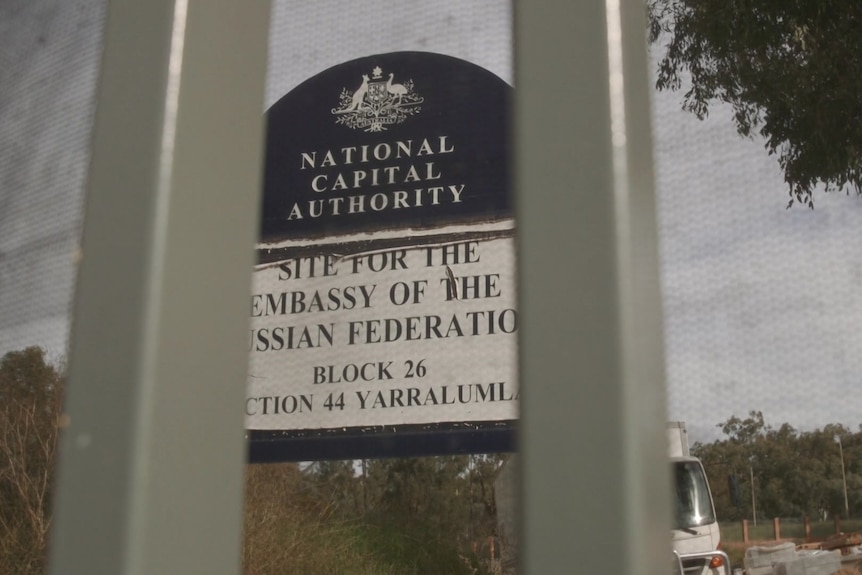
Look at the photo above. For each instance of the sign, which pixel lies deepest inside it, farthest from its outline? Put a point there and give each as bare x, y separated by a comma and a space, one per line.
385, 291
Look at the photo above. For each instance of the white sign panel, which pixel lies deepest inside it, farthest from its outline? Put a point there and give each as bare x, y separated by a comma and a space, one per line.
417, 334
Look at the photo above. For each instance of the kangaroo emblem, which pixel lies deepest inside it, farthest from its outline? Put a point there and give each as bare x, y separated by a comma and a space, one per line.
359, 95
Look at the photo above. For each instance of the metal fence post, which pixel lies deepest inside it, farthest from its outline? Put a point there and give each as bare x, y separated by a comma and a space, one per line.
151, 467
595, 494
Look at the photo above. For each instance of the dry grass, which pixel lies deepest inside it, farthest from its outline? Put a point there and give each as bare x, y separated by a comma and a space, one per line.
290, 529
289, 532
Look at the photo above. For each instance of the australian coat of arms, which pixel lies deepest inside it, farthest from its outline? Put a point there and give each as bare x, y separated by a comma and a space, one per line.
377, 103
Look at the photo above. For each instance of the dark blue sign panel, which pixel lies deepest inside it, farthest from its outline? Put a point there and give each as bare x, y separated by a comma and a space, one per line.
393, 141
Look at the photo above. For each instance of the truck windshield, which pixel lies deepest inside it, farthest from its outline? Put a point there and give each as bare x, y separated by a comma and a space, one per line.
693, 502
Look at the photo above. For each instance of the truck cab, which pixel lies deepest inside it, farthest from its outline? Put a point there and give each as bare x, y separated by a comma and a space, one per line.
695, 534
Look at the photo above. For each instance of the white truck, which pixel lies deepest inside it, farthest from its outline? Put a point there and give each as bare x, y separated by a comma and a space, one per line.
694, 534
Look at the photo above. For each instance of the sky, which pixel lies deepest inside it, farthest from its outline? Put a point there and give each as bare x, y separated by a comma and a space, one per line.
762, 304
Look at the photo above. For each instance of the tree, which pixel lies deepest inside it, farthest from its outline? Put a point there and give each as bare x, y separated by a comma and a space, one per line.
745, 431
795, 473
30, 407
733, 458
791, 70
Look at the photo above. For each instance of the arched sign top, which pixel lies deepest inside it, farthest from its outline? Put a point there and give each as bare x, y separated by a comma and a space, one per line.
398, 141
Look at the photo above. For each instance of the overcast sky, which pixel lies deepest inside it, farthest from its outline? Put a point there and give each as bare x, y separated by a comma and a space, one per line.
763, 305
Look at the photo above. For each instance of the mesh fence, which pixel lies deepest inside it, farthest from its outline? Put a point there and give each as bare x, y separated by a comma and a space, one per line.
49, 59
762, 304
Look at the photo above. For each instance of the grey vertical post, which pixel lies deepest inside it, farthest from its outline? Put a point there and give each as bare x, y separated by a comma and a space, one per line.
595, 489
150, 477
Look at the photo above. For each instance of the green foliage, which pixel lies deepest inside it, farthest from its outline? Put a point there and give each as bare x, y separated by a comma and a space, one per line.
398, 515
792, 71
794, 473
291, 530
417, 549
